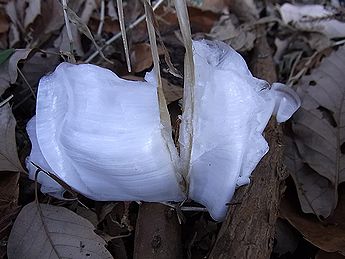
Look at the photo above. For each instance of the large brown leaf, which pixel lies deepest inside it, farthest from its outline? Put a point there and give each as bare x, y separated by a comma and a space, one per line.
328, 235
56, 233
315, 192
319, 128
8, 151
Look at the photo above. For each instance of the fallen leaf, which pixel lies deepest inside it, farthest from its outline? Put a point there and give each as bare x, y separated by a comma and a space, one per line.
48, 22
315, 192
8, 69
9, 160
9, 191
55, 232
328, 236
87, 214
319, 125
40, 64
240, 38
312, 18
141, 56
6, 222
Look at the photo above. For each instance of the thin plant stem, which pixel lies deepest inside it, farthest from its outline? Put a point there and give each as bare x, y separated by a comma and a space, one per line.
68, 28
123, 32
6, 100
189, 81
101, 22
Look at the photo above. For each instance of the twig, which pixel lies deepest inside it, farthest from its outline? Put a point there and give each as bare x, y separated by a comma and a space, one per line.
118, 35
27, 83
101, 22
123, 32
6, 100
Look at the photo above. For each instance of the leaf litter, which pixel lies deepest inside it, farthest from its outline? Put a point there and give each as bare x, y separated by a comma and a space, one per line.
46, 231
319, 130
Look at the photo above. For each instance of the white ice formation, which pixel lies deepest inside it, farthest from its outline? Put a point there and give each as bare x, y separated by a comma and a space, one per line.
231, 110
102, 135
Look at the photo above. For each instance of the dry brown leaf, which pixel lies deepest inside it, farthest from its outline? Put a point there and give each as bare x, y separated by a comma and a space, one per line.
39, 65
9, 191
315, 192
52, 16
56, 232
329, 237
87, 214
141, 56
8, 70
9, 160
319, 125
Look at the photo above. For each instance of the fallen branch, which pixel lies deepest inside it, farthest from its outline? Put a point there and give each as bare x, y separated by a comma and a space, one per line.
158, 233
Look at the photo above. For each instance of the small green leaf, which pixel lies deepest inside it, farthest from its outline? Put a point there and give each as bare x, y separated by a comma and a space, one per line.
5, 54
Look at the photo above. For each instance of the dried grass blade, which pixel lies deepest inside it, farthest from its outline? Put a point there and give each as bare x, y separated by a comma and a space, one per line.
171, 69
123, 33
189, 79
82, 27
164, 114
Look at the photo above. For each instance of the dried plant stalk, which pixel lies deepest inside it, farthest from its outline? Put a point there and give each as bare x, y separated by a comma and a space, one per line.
156, 67
189, 80
123, 33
